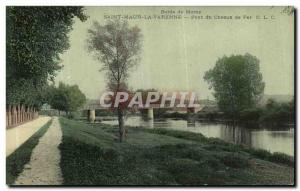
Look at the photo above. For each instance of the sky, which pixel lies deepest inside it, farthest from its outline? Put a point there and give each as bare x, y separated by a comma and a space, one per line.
176, 53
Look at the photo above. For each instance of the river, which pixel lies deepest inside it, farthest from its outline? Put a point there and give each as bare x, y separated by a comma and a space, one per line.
273, 140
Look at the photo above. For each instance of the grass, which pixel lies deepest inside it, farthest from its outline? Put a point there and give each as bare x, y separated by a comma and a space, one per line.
16, 161
91, 155
218, 144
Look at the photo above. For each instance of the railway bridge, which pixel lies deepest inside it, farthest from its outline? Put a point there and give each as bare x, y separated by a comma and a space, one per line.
92, 105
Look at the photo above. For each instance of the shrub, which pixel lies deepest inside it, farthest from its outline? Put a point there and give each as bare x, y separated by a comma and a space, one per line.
282, 158
275, 157
235, 161
187, 171
176, 115
251, 115
278, 113
260, 153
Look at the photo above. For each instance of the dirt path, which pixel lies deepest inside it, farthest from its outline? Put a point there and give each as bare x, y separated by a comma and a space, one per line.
16, 136
43, 168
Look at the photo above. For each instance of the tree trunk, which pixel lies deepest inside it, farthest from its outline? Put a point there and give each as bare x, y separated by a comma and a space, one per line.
9, 115
121, 124
13, 115
18, 113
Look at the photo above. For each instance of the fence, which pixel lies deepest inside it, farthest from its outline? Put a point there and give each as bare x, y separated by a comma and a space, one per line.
18, 114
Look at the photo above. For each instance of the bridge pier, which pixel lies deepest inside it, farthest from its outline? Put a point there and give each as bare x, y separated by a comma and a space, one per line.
91, 115
191, 110
150, 113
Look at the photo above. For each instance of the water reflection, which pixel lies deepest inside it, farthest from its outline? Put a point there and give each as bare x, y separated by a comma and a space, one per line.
273, 140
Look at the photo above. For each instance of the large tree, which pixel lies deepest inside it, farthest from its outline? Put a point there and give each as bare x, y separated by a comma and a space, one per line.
117, 46
237, 83
35, 38
65, 97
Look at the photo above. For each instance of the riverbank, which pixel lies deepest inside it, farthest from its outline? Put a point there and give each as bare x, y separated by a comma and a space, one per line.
92, 155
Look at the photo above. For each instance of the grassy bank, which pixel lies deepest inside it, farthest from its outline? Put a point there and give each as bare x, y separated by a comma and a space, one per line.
218, 144
16, 161
91, 155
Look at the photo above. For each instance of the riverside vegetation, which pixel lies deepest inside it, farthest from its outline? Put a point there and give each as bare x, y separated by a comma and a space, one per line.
92, 155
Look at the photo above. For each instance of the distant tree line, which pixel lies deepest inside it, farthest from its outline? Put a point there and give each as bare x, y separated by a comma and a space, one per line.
65, 97
273, 113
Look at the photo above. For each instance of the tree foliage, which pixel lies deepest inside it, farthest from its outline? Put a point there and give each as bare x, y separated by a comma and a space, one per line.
65, 97
36, 36
117, 46
276, 113
237, 83
272, 113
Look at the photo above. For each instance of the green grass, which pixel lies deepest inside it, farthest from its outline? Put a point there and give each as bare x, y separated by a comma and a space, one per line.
218, 144
92, 155
16, 161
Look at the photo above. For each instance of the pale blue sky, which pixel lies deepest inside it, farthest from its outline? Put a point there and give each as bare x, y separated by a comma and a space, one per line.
176, 53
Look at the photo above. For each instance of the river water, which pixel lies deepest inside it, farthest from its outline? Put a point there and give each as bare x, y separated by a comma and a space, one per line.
273, 140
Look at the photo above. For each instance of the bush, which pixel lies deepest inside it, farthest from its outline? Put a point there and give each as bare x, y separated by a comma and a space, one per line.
104, 113
212, 162
178, 134
275, 157
160, 112
282, 158
187, 171
176, 115
235, 161
251, 115
260, 153
211, 116
275, 113
74, 115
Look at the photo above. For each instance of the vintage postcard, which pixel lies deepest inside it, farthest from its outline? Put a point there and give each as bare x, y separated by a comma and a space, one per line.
150, 96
